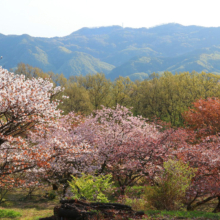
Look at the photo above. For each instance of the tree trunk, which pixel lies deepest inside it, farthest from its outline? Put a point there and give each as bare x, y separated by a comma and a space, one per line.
191, 208
122, 189
217, 208
55, 187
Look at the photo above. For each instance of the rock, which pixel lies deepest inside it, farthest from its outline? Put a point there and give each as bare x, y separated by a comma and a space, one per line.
82, 210
48, 218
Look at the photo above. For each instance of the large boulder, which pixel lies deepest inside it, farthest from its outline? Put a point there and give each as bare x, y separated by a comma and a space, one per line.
82, 210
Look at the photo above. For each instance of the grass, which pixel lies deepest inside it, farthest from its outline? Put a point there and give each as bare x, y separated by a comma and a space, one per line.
28, 209
26, 214
16, 207
9, 213
182, 214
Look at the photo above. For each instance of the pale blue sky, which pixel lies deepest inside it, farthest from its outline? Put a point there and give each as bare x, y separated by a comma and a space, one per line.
49, 18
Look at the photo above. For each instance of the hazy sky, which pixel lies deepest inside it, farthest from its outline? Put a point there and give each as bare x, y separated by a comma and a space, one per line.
49, 18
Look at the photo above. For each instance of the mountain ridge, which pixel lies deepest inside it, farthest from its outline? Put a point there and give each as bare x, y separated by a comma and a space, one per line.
111, 50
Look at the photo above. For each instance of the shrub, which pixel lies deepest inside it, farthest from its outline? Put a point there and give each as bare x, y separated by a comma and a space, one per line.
136, 203
91, 187
169, 189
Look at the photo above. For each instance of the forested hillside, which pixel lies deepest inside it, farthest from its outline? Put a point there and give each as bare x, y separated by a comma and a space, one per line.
118, 51
165, 97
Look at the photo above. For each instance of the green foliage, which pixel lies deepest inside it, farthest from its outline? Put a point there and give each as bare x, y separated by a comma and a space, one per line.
51, 195
164, 96
169, 189
168, 96
179, 175
136, 203
9, 213
30, 72
98, 88
134, 191
121, 91
91, 187
78, 101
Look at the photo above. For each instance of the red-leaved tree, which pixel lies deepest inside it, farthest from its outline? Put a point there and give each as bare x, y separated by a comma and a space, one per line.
204, 117
203, 150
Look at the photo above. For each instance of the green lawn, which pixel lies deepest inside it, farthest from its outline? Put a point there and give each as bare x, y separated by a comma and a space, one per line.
154, 214
18, 208
27, 209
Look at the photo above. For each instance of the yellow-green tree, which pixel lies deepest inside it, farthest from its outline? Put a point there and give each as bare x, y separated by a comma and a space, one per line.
122, 90
168, 96
98, 88
30, 72
78, 100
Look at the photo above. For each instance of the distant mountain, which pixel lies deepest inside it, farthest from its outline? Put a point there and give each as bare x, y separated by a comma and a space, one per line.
118, 51
207, 60
82, 63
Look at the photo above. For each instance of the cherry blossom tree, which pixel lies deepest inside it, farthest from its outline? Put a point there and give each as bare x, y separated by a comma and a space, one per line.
25, 104
69, 153
127, 146
203, 156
